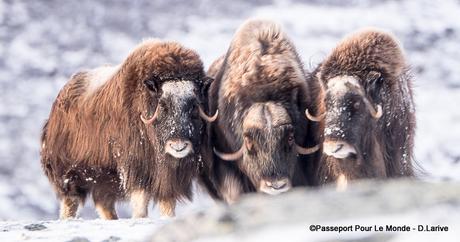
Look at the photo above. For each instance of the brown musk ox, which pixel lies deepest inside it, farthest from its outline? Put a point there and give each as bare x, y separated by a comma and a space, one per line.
261, 94
368, 111
129, 131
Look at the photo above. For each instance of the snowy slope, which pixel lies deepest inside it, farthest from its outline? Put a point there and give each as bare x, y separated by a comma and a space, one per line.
78, 230
44, 42
403, 203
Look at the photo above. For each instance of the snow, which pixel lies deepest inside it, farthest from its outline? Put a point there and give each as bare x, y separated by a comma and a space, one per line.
183, 90
299, 232
125, 229
44, 42
99, 76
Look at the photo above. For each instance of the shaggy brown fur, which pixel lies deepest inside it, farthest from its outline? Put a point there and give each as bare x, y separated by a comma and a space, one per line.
261, 75
95, 142
384, 146
215, 66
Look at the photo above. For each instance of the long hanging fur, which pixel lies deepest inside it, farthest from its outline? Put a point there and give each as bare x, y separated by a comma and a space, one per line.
94, 140
390, 143
261, 65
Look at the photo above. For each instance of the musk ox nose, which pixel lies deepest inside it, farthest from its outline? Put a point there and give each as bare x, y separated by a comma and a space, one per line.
275, 187
178, 148
277, 184
338, 149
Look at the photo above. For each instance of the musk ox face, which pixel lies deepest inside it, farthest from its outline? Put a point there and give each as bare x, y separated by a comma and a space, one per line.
269, 157
268, 154
349, 117
177, 123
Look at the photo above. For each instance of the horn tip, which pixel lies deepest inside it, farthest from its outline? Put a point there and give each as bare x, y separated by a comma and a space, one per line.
379, 111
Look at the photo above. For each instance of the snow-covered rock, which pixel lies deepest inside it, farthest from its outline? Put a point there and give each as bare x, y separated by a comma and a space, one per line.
289, 217
260, 217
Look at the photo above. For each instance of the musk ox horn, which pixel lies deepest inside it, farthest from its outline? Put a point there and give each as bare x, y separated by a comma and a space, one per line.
314, 118
374, 113
151, 120
230, 156
306, 151
204, 116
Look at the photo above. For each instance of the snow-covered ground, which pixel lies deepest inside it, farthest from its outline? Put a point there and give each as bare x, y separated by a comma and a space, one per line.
44, 42
299, 232
78, 230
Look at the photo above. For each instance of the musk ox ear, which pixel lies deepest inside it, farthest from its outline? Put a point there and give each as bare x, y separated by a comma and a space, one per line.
299, 98
152, 84
374, 80
207, 81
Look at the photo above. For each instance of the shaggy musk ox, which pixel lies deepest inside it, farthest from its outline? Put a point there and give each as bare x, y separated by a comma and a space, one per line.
369, 115
261, 94
130, 131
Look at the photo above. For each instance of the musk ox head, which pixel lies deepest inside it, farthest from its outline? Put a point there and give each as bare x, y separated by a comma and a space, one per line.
268, 154
174, 95
356, 76
350, 115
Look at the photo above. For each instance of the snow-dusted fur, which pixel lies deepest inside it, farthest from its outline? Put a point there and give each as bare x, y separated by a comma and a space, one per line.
367, 64
95, 142
261, 94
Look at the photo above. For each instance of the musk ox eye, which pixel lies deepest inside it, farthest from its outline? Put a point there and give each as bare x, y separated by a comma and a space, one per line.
291, 140
195, 112
249, 146
248, 143
356, 105
151, 85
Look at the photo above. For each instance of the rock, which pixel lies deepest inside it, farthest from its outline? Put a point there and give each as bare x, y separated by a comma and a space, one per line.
79, 239
112, 239
35, 227
257, 214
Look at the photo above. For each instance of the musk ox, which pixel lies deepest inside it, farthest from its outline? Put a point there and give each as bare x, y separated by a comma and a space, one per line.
261, 94
128, 131
368, 110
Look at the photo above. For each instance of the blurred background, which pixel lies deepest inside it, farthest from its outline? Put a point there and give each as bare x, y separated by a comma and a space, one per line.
42, 43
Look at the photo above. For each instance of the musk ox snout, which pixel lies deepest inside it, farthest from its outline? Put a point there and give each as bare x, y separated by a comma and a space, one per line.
338, 149
275, 186
179, 148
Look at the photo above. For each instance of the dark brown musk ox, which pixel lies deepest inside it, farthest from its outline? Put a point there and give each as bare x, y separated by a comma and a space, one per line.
369, 115
128, 131
261, 94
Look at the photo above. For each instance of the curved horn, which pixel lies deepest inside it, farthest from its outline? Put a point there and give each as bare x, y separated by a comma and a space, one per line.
314, 118
230, 156
151, 120
204, 116
306, 151
374, 113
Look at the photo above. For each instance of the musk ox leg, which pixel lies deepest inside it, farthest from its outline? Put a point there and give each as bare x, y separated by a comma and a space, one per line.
139, 203
106, 191
231, 188
167, 208
104, 201
341, 183
106, 210
69, 207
